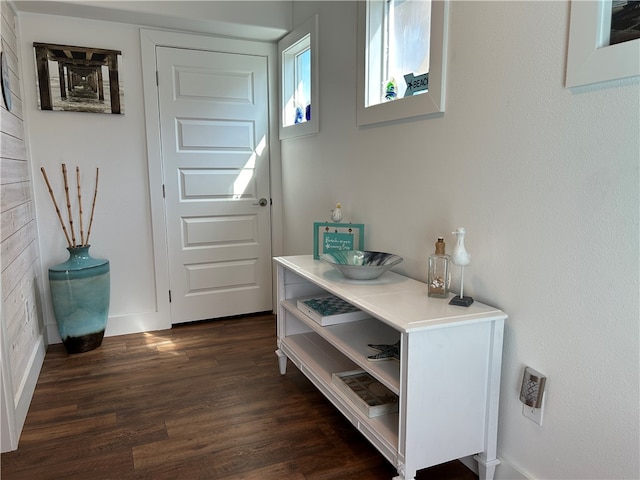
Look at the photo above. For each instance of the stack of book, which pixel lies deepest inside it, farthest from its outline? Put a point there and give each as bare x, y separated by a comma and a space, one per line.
367, 393
330, 310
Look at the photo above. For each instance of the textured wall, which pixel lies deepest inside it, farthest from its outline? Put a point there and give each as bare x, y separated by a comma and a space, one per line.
545, 180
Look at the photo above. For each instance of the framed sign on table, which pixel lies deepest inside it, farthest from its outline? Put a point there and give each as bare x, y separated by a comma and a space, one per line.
329, 237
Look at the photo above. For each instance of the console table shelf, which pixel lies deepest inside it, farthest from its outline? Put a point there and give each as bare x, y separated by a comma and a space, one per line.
351, 340
447, 378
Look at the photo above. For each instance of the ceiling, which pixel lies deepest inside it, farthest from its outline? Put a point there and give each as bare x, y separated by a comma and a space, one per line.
256, 20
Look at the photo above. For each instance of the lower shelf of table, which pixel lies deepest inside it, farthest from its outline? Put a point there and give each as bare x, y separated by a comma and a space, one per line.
351, 339
318, 360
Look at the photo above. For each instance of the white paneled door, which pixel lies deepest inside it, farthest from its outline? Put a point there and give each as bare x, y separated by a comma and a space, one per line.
214, 137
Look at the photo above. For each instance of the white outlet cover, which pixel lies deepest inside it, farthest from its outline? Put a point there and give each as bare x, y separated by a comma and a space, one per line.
534, 414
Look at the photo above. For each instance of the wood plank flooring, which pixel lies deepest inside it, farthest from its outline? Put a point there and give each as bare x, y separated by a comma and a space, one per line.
199, 401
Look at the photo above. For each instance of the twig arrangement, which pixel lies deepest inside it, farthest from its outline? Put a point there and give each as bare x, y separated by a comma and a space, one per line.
71, 241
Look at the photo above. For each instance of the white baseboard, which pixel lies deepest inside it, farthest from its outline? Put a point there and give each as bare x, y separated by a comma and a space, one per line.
504, 471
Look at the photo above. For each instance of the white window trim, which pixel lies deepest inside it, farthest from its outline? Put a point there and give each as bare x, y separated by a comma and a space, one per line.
589, 58
430, 102
308, 28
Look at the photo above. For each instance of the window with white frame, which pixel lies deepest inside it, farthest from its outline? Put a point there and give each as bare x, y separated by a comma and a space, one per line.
401, 31
402, 47
299, 86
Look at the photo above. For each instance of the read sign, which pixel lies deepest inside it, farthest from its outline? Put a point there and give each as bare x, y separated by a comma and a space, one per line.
337, 241
416, 84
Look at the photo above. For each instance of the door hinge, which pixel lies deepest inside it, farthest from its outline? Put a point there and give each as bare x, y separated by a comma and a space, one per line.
164, 195
169, 296
157, 78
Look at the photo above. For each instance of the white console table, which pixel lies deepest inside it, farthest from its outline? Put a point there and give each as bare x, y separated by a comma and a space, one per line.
447, 378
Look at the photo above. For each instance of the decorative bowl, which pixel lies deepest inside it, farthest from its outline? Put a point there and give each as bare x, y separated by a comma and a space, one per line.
361, 264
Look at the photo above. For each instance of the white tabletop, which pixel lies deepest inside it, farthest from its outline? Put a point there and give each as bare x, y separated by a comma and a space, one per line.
395, 299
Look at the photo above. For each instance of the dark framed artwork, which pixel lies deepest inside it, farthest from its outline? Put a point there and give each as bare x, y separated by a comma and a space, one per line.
625, 21
78, 79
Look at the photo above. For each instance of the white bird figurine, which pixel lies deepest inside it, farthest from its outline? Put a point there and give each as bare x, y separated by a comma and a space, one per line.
336, 214
461, 257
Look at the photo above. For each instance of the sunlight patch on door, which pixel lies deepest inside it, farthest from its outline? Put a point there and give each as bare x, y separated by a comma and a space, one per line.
247, 173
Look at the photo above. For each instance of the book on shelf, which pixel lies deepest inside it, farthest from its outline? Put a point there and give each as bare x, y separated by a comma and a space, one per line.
367, 393
328, 309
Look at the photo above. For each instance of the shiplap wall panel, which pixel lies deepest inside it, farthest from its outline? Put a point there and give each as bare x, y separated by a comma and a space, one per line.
8, 29
14, 219
14, 195
13, 78
22, 328
27, 289
12, 147
14, 308
16, 281
14, 171
16, 270
11, 124
21, 291
13, 246
16, 109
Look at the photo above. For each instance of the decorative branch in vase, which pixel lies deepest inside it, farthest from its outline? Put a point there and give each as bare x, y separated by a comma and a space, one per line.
80, 287
72, 241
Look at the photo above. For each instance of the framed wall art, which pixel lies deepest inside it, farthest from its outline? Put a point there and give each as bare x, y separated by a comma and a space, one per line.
78, 79
329, 237
604, 41
6, 83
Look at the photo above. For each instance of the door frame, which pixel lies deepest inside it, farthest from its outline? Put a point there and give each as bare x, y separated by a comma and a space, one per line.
149, 40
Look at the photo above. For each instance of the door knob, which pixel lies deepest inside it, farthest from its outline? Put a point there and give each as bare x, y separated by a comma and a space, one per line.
263, 202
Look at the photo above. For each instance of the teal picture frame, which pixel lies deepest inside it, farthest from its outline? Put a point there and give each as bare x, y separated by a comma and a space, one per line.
328, 236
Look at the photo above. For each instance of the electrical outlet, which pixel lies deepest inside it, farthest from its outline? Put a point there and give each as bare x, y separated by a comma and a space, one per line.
532, 394
532, 413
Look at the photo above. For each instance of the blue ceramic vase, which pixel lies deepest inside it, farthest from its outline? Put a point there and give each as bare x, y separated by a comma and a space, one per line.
80, 291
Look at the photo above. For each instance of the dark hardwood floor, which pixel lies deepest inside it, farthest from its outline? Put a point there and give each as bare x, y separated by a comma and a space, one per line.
199, 401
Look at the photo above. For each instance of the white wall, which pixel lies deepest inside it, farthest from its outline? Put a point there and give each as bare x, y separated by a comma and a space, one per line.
121, 230
545, 180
